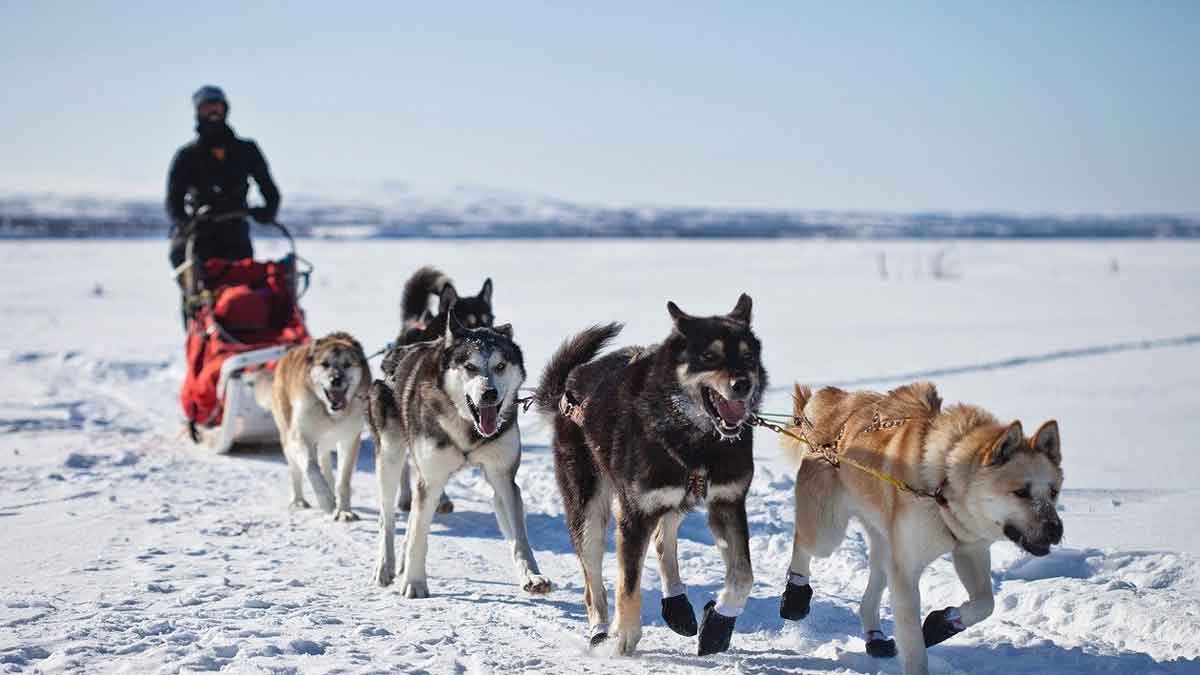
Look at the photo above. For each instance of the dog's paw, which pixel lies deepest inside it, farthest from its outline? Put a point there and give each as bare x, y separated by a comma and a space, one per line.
414, 588
625, 641
880, 646
299, 504
716, 631
795, 602
679, 614
444, 505
942, 625
344, 516
536, 584
384, 574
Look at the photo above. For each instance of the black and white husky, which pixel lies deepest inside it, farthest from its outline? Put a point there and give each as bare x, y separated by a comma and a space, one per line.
418, 324
648, 433
449, 402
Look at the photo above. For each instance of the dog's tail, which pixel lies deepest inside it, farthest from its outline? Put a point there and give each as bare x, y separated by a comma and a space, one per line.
573, 353
794, 450
423, 283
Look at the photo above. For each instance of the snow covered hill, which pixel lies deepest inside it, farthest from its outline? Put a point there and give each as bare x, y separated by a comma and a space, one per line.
395, 211
126, 550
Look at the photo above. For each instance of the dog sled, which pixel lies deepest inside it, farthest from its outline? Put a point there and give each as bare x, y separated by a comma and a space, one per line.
240, 316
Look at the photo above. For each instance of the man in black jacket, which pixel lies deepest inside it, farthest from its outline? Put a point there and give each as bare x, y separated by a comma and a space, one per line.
212, 171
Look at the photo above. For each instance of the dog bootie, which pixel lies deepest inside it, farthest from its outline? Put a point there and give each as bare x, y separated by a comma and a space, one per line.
794, 603
677, 611
879, 646
716, 632
942, 625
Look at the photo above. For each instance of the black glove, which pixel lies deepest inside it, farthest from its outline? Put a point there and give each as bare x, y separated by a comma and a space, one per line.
262, 214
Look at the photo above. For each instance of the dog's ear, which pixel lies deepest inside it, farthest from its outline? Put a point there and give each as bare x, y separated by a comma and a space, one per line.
505, 329
800, 396
447, 299
741, 311
454, 329
1046, 440
681, 318
1005, 446
485, 293
308, 353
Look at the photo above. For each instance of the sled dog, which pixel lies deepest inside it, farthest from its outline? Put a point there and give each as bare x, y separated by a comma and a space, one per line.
979, 481
318, 398
449, 402
646, 434
418, 324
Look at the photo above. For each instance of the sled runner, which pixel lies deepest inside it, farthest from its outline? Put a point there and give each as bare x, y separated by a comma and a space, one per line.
241, 316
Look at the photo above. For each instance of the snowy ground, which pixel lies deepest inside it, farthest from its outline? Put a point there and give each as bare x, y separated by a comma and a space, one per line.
126, 550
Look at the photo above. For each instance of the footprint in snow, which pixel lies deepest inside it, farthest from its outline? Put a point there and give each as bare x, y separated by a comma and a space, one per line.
307, 647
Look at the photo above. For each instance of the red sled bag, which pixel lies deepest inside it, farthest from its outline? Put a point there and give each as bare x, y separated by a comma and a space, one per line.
246, 306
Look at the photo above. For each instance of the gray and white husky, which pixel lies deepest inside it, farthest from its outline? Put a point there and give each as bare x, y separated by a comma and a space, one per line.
449, 402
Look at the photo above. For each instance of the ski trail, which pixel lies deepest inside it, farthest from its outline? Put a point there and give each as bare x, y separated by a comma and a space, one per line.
1015, 362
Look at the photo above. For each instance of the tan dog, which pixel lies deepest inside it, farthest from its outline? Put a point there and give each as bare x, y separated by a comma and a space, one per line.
319, 401
983, 481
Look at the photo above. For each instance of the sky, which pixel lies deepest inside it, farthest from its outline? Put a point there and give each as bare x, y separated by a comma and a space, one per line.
1054, 107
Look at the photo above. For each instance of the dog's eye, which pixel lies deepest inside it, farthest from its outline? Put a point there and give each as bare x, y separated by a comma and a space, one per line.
1023, 493
1053, 493
499, 367
748, 359
709, 358
470, 367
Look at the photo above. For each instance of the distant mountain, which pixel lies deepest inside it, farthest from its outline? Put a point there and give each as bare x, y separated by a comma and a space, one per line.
471, 212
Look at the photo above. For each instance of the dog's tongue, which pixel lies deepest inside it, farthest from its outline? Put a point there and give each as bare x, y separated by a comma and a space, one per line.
488, 418
337, 398
731, 412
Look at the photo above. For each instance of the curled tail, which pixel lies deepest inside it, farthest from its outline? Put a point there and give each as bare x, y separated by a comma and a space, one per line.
794, 450
573, 353
423, 283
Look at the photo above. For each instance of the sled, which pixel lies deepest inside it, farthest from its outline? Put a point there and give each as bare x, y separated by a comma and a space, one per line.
241, 316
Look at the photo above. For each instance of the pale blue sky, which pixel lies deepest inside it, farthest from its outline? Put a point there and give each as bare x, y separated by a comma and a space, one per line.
1046, 106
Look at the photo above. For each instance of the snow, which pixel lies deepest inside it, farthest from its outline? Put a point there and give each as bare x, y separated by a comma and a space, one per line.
126, 550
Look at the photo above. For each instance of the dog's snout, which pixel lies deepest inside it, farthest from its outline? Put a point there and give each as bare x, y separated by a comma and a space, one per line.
338, 380
1053, 530
489, 397
740, 386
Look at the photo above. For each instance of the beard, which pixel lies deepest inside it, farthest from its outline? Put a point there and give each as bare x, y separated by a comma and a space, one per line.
214, 132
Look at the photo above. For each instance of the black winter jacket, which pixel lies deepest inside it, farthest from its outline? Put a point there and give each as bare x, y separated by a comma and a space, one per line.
199, 178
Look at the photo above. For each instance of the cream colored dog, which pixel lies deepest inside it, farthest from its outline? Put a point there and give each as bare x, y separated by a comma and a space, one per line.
319, 400
984, 481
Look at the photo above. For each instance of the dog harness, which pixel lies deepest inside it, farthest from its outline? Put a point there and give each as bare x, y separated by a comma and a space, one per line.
830, 452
